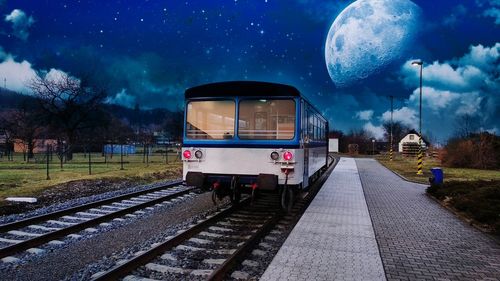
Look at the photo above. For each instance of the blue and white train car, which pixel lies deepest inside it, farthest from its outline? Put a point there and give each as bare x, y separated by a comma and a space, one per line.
247, 136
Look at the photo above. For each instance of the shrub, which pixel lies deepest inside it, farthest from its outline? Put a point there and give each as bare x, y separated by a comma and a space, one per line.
480, 151
480, 200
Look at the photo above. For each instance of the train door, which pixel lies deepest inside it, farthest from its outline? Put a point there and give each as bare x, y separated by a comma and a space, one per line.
305, 141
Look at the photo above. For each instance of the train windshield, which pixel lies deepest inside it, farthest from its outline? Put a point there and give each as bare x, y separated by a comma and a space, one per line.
266, 119
210, 119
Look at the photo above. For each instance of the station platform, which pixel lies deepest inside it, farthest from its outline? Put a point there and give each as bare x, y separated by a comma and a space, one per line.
334, 239
366, 223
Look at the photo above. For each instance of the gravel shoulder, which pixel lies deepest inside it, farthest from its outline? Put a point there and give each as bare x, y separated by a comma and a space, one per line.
79, 260
81, 190
72, 196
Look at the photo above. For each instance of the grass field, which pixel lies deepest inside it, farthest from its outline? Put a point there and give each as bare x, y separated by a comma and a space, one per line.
18, 178
407, 167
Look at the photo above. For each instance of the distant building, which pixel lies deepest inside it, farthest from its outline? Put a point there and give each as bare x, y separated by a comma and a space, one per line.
119, 148
333, 145
39, 145
409, 143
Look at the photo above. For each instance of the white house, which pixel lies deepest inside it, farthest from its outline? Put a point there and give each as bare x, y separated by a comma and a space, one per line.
412, 137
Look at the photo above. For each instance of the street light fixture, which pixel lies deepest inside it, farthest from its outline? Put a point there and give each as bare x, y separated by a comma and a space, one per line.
373, 146
420, 161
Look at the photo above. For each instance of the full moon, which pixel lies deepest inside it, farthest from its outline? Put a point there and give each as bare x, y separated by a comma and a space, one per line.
368, 35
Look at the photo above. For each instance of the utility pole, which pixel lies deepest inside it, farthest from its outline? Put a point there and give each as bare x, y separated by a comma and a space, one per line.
392, 110
420, 160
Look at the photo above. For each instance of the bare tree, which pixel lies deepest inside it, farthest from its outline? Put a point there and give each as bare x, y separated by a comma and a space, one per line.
398, 131
69, 105
173, 125
7, 131
466, 125
360, 137
24, 127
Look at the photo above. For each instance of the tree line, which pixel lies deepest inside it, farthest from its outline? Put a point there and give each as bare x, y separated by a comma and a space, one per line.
73, 115
363, 139
470, 146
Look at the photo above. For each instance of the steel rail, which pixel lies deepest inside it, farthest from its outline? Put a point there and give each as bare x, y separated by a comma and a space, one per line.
122, 270
44, 238
41, 218
239, 254
220, 272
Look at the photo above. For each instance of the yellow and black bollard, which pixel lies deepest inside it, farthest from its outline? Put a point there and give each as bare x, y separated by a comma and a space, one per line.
390, 154
420, 161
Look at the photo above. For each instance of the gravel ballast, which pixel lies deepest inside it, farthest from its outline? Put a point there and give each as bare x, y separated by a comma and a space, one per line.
80, 259
78, 199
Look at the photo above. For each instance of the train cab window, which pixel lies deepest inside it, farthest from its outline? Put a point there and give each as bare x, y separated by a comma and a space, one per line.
267, 119
210, 119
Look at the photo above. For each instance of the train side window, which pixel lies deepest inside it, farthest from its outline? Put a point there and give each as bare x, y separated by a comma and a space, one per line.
311, 124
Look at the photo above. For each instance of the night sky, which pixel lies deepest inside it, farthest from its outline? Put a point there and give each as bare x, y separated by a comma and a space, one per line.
149, 52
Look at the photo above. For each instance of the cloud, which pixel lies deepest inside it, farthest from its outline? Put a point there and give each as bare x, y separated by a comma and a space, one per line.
18, 75
445, 76
434, 99
405, 115
376, 131
146, 80
122, 98
364, 115
3, 54
456, 15
494, 13
20, 23
482, 57
465, 85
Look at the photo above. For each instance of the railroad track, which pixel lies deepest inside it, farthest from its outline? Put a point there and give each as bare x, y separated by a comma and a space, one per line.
207, 250
27, 234
213, 247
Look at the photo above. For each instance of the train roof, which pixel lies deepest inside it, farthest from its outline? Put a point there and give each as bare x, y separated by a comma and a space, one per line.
242, 88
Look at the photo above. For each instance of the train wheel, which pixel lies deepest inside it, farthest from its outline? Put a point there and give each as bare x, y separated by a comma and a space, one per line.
235, 195
214, 197
287, 198
254, 195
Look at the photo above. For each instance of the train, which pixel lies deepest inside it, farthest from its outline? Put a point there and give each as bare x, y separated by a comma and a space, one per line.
250, 137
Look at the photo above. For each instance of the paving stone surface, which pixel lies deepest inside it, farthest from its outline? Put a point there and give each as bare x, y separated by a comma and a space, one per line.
420, 240
334, 239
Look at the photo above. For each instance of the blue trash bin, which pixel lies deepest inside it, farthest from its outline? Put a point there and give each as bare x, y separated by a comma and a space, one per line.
438, 176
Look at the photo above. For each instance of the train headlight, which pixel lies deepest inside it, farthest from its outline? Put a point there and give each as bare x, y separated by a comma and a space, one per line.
287, 156
187, 154
198, 154
275, 155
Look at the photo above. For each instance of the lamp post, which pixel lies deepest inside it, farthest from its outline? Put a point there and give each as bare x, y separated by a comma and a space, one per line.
390, 150
420, 161
373, 146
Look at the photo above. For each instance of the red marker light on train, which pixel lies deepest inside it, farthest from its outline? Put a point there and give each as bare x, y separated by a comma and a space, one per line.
187, 154
287, 156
